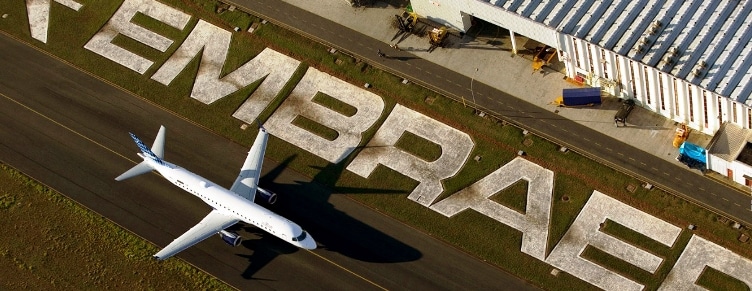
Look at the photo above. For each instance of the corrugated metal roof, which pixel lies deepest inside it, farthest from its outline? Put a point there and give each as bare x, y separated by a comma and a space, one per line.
707, 43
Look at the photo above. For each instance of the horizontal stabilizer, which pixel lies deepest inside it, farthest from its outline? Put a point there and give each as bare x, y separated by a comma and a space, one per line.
141, 168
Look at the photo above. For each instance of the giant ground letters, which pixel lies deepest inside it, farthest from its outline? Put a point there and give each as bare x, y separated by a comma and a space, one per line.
455, 149
300, 103
274, 71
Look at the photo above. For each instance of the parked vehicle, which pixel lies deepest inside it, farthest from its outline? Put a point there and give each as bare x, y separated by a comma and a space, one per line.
692, 155
579, 97
624, 110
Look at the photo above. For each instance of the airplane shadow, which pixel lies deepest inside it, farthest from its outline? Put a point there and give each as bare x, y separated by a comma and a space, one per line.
402, 58
333, 229
264, 249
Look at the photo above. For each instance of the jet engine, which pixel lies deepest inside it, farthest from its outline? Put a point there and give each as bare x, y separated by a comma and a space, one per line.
230, 238
269, 196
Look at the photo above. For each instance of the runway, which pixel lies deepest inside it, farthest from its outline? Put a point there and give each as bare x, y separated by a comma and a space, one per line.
70, 131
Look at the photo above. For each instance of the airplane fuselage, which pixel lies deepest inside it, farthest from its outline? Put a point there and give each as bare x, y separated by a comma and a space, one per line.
232, 204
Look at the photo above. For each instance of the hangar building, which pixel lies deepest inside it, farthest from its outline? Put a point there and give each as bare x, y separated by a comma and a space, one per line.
688, 60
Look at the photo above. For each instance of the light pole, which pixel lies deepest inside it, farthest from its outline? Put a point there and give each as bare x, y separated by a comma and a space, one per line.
472, 80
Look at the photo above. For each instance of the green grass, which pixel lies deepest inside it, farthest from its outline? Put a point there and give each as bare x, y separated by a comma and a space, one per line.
334, 104
576, 176
51, 242
315, 127
513, 197
418, 146
713, 279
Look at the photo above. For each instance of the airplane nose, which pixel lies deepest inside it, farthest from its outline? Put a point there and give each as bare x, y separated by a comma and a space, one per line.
308, 243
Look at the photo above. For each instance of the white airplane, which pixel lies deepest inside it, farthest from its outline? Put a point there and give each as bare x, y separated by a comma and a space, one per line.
229, 206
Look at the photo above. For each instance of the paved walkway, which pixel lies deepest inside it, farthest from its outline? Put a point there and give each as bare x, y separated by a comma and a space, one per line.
496, 66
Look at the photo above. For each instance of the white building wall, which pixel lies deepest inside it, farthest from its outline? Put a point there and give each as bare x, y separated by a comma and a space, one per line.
717, 164
449, 13
711, 113
740, 170
444, 12
711, 117
623, 78
653, 89
581, 61
729, 112
641, 83
608, 64
681, 104
665, 88
696, 99
566, 53
733, 113
635, 82
720, 111
643, 86
596, 67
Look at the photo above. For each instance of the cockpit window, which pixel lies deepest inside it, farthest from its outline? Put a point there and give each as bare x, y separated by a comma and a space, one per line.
301, 237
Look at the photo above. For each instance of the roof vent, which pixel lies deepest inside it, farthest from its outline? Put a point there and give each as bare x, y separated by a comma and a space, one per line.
645, 40
639, 48
702, 64
668, 60
674, 51
697, 72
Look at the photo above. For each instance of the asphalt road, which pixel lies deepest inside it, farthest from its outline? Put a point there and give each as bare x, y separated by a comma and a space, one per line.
69, 131
707, 192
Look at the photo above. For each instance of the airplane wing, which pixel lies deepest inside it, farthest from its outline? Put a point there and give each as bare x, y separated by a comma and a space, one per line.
248, 178
210, 225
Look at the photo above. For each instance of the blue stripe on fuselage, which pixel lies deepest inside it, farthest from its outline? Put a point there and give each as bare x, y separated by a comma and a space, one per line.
144, 149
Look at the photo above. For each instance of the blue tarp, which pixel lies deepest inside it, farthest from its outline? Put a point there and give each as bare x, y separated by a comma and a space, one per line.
581, 96
692, 151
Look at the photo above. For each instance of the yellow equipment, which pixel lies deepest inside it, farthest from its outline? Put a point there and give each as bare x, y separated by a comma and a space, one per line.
682, 133
411, 18
436, 36
543, 57
407, 21
559, 101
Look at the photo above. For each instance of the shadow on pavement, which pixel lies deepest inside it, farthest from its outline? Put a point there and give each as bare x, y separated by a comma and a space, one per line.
334, 230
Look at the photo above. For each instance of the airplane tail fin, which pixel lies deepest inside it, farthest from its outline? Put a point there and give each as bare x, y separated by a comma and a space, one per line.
159, 142
156, 154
